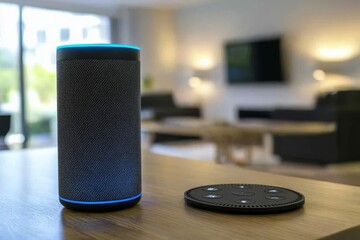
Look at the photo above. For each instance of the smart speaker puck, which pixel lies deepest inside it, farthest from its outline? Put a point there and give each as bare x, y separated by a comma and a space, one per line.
244, 198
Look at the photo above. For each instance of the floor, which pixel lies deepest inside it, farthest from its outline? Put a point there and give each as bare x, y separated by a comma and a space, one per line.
348, 173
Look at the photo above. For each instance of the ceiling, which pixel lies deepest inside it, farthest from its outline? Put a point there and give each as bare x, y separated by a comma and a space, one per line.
133, 3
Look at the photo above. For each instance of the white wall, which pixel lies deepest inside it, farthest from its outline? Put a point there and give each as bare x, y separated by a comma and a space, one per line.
309, 27
153, 31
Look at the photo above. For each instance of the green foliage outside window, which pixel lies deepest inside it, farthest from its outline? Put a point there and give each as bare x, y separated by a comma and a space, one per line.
43, 82
8, 76
40, 80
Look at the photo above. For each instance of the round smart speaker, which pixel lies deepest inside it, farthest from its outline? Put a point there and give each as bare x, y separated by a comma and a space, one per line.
244, 198
99, 154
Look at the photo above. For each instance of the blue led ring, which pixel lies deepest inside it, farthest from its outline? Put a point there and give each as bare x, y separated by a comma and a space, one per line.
101, 202
105, 45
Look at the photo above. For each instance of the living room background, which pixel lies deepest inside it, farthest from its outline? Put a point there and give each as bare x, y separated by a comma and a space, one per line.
312, 31
177, 42
193, 37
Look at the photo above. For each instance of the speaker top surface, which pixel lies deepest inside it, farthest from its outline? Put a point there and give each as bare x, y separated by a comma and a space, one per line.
244, 198
98, 51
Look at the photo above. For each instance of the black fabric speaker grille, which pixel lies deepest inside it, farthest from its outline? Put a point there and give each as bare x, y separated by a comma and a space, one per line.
99, 129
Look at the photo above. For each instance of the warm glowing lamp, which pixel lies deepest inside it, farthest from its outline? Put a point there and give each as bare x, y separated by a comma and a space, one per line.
199, 78
319, 75
195, 82
336, 53
203, 62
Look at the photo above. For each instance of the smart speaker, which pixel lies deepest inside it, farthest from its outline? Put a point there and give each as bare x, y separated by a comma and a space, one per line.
99, 154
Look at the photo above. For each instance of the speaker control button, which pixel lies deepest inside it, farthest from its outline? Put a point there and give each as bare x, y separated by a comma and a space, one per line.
212, 196
273, 191
211, 189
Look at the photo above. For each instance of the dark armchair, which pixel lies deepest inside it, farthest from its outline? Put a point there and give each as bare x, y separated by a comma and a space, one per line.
159, 106
343, 108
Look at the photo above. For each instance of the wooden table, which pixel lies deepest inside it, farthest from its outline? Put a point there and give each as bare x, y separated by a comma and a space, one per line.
30, 208
245, 134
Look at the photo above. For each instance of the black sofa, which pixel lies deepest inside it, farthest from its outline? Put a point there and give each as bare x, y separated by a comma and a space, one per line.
159, 106
5, 122
343, 145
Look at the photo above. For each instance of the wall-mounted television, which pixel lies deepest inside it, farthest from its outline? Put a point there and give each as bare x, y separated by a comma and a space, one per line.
258, 61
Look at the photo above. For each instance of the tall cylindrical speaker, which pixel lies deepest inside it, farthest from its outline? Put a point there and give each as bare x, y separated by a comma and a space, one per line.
99, 154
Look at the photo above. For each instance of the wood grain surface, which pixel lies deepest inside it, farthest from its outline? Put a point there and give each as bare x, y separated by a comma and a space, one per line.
30, 208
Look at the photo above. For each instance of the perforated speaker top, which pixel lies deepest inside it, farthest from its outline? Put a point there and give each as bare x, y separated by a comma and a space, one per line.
98, 51
244, 198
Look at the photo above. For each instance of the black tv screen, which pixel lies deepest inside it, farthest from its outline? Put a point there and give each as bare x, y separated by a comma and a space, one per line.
254, 62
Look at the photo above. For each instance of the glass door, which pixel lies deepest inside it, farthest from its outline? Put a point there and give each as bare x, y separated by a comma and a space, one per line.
43, 31
9, 71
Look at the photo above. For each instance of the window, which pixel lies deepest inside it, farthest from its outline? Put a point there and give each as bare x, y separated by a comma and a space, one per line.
41, 36
64, 34
9, 69
85, 33
40, 39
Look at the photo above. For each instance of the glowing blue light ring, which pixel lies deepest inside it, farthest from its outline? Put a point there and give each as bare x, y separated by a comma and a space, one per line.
99, 46
101, 202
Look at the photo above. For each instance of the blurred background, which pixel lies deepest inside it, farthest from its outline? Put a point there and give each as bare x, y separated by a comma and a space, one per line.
221, 61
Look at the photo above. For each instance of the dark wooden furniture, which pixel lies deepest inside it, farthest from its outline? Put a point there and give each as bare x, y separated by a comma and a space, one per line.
244, 134
342, 108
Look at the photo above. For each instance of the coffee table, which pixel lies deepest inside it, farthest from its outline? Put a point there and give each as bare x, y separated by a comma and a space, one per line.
245, 134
